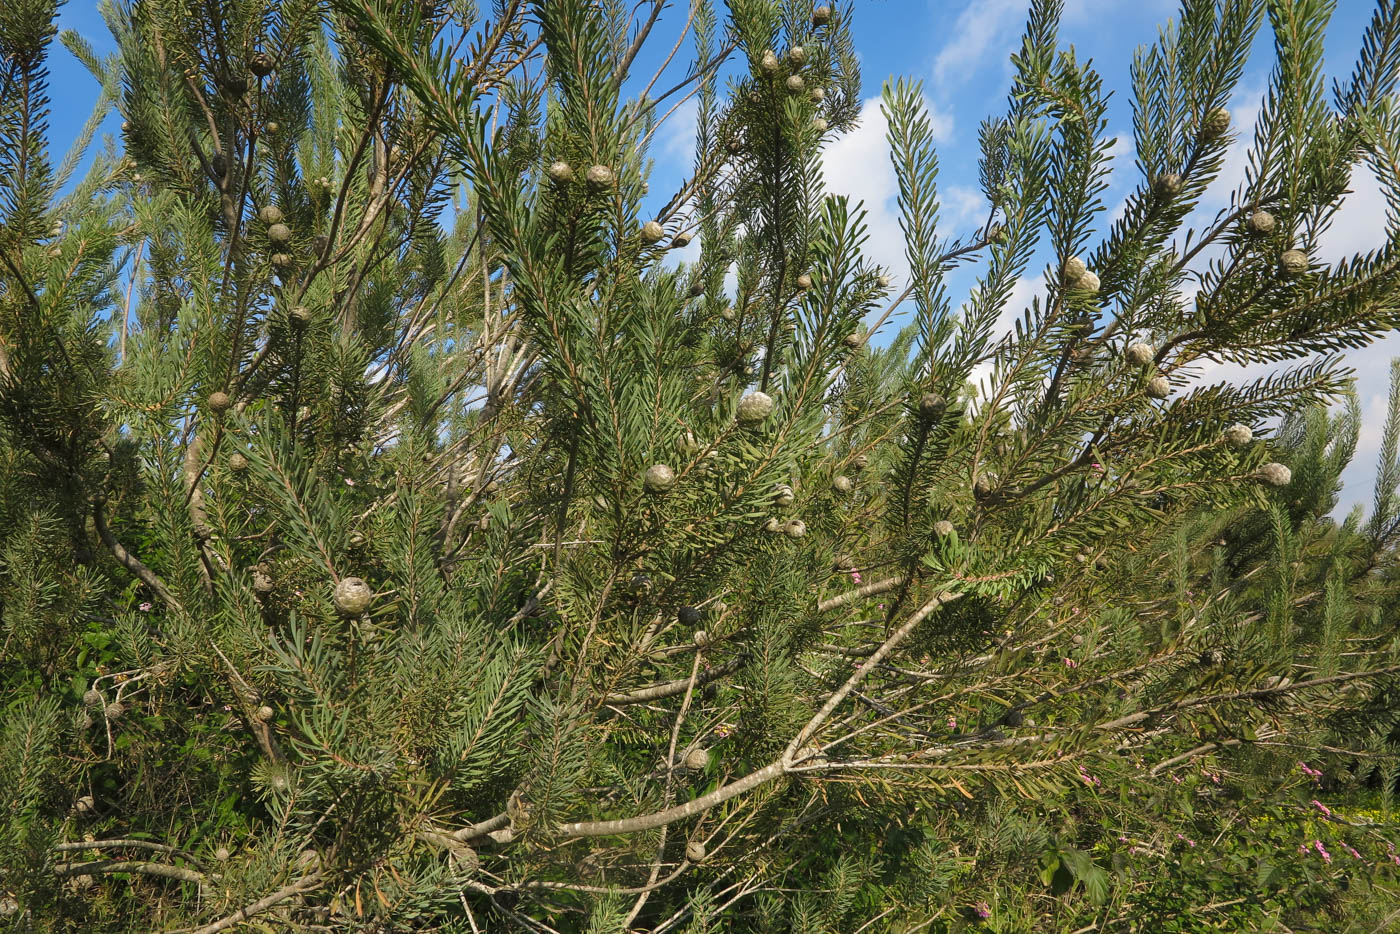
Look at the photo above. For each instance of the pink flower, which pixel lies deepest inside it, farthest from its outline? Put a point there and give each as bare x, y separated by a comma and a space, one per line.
1322, 807
983, 910
1177, 779
952, 723
349, 482
145, 607
1122, 839
1071, 663
882, 606
1354, 854
1322, 851
1395, 859
1097, 466
855, 576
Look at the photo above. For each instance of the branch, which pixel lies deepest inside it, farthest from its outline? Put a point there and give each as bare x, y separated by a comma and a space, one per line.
122, 865
869, 590
262, 904
671, 688
768, 772
129, 561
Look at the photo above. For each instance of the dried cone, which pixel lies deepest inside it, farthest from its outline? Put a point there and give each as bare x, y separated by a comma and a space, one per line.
883, 281
819, 124
817, 95
465, 860
943, 528
222, 854
272, 126
701, 638
1167, 185
219, 402
688, 616
754, 408
600, 175
1293, 263
352, 597
92, 697
270, 214
797, 55
982, 486
237, 462
1261, 223
652, 231
659, 479
853, 340
1158, 387
1216, 123
279, 233
769, 61
115, 710
795, 83
264, 714
860, 461
561, 171
261, 64
281, 259
771, 524
1071, 270
1089, 282
262, 579
931, 406
697, 758
1274, 475
1238, 435
681, 239
842, 484
695, 851
1140, 354
795, 528
821, 16
784, 495
300, 317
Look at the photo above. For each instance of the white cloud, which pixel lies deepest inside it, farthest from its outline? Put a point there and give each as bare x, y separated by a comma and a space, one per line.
858, 165
675, 137
984, 30
1359, 225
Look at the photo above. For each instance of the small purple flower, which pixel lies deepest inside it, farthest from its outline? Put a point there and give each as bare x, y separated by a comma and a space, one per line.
145, 607
1322, 851
855, 576
952, 723
983, 910
1326, 812
1071, 663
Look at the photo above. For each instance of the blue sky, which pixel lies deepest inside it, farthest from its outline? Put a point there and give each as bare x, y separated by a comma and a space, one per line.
960, 50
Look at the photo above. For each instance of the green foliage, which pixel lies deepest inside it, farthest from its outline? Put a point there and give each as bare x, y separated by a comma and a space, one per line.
963, 627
